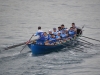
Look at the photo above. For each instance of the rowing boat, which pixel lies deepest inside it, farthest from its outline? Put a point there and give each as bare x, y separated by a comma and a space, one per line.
45, 49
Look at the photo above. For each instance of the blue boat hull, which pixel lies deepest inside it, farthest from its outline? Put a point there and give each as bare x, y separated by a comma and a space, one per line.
44, 49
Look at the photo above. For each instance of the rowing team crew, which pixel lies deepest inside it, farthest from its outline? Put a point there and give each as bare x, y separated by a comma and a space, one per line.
56, 36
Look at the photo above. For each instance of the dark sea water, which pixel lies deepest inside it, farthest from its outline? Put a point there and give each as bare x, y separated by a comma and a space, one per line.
19, 19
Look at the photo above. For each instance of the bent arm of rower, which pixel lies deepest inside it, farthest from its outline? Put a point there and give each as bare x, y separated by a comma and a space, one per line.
35, 34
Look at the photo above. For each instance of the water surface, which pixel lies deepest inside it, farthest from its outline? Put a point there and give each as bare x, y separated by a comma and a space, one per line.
19, 19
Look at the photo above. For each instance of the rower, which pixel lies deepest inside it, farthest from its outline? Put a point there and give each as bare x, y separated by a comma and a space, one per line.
64, 35
46, 37
55, 31
52, 39
77, 29
71, 32
74, 27
59, 29
49, 34
58, 36
63, 27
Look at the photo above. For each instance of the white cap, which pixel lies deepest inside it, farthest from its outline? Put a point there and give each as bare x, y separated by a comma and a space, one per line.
50, 30
59, 32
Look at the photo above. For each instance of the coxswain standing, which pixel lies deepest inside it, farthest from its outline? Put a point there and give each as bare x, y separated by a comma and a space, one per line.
39, 33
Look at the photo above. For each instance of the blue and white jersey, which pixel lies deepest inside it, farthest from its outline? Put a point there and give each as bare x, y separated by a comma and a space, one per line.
64, 30
58, 37
52, 40
59, 31
49, 36
38, 32
71, 33
46, 38
63, 35
55, 33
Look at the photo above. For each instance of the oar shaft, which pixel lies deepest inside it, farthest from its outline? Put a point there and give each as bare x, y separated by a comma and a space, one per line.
14, 46
87, 41
84, 46
7, 48
23, 48
91, 38
26, 44
84, 43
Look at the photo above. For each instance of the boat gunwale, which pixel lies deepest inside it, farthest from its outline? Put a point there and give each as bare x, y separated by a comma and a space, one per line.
54, 45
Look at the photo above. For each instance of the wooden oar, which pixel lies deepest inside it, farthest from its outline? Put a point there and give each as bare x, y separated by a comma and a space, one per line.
14, 46
86, 41
91, 38
17, 45
26, 43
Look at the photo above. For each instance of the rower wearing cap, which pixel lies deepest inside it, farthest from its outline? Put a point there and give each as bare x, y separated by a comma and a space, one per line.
52, 39
58, 36
55, 31
50, 31
49, 34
